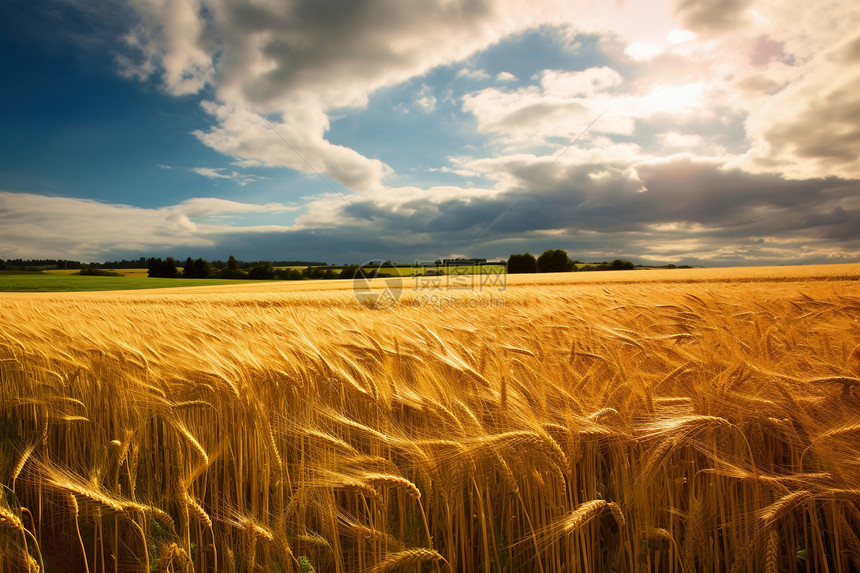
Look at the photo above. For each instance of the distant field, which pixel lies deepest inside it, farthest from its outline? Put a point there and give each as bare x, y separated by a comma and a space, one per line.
67, 281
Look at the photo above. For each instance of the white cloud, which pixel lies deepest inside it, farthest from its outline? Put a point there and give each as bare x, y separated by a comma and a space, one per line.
473, 74
566, 103
211, 172
642, 51
678, 36
681, 141
297, 142
425, 100
808, 128
42, 226
221, 173
295, 63
588, 82
170, 36
210, 206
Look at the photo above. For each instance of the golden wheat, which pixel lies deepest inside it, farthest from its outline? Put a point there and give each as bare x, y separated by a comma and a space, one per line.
702, 423
405, 558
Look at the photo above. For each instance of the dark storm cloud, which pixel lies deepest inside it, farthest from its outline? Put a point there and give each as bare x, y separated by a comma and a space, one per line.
682, 199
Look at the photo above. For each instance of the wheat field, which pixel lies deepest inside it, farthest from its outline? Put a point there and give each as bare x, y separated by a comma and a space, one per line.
677, 423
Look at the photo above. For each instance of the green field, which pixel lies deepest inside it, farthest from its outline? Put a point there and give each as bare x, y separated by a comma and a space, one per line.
38, 282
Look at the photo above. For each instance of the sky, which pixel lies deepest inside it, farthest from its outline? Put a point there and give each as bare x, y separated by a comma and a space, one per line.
703, 132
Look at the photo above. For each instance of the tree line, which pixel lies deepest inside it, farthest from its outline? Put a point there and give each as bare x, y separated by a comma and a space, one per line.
557, 261
550, 261
234, 269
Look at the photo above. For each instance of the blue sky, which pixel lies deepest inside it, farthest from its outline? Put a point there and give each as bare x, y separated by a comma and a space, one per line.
686, 132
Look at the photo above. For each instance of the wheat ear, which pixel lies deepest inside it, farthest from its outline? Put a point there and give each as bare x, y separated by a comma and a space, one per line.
771, 556
405, 558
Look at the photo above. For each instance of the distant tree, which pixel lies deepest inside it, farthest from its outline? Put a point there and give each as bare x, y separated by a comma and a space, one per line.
2, 265
622, 265
348, 272
188, 269
289, 274
202, 269
232, 269
524, 263
154, 266
262, 271
313, 272
554, 261
168, 269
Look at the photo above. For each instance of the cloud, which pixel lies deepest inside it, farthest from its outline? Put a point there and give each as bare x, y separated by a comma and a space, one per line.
296, 141
712, 16
505, 77
810, 126
678, 209
679, 36
293, 63
221, 173
209, 206
473, 74
596, 205
42, 226
170, 37
565, 103
425, 100
642, 51
579, 83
